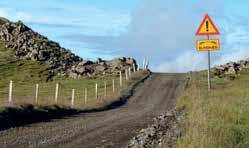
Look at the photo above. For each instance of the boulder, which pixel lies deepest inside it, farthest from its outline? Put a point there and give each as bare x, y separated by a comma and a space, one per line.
85, 63
99, 60
115, 64
244, 64
100, 68
123, 59
73, 75
220, 68
19, 28
81, 70
130, 61
231, 70
3, 20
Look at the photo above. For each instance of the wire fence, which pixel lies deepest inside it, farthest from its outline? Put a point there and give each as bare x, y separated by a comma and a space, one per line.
77, 93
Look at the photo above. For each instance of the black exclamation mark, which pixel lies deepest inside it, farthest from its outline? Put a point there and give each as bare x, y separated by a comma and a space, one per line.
207, 26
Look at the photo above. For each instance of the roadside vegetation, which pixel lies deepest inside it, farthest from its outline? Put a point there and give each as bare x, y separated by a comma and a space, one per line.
219, 118
24, 92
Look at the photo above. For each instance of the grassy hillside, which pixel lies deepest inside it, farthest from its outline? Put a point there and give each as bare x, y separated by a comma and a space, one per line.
19, 70
25, 74
219, 118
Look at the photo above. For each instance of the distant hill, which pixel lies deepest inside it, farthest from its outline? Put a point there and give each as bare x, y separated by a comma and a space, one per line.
22, 49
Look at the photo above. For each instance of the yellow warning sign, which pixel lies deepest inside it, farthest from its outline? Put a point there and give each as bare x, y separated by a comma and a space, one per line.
205, 45
207, 27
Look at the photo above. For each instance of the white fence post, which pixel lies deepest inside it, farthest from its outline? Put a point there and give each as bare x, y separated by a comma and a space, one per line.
96, 91
56, 92
120, 79
144, 61
10, 90
85, 95
73, 94
126, 74
36, 92
113, 85
129, 71
134, 68
147, 64
105, 93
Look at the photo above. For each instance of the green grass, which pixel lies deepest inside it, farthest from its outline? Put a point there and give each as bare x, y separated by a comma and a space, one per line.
218, 119
25, 74
24, 92
17, 70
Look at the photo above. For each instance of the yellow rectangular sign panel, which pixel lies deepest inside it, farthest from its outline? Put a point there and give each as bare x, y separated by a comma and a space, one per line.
205, 45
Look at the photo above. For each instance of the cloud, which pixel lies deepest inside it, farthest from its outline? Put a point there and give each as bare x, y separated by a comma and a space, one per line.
96, 41
12, 14
95, 20
239, 54
75, 25
194, 61
189, 60
162, 30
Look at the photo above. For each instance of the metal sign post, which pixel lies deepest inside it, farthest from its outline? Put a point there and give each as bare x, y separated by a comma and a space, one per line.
209, 72
209, 65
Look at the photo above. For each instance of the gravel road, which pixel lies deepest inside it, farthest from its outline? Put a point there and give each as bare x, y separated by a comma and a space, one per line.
113, 128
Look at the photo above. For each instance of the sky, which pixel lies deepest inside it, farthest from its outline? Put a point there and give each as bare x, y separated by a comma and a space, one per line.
161, 30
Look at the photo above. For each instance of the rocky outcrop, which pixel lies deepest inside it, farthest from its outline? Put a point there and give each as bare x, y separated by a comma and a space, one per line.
31, 45
163, 133
101, 67
230, 68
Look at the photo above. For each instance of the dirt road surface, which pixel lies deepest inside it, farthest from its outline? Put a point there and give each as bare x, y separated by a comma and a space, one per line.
113, 128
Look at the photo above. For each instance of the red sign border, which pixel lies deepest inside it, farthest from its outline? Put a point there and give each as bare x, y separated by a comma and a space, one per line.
203, 21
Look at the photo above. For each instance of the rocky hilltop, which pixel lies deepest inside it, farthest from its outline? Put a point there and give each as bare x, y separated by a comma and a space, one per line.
30, 45
230, 68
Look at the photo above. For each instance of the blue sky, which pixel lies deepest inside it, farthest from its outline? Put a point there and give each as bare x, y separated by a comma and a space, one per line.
162, 30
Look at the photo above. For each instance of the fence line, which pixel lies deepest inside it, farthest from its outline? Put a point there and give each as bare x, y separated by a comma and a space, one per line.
44, 94
56, 92
144, 63
147, 63
113, 85
126, 74
10, 90
36, 92
85, 95
96, 91
129, 72
134, 68
120, 79
73, 95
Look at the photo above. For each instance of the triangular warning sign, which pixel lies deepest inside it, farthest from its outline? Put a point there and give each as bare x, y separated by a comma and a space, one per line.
207, 27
